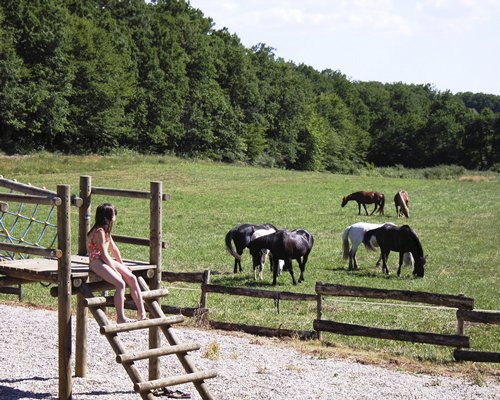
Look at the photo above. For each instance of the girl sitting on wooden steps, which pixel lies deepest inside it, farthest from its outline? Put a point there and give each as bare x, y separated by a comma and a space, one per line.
99, 241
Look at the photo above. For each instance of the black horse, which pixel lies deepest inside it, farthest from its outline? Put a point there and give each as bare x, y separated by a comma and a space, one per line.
286, 246
241, 236
402, 239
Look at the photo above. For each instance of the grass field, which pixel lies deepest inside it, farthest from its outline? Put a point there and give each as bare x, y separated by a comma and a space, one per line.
457, 220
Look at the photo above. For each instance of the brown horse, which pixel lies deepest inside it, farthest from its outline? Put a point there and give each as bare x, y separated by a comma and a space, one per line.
401, 200
363, 198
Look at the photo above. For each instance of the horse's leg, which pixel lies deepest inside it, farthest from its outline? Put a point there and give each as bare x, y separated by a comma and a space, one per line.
302, 266
359, 208
275, 269
364, 206
385, 258
374, 209
401, 255
288, 264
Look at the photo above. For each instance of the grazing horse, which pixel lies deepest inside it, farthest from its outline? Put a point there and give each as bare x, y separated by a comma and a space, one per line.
363, 198
401, 200
241, 236
355, 233
402, 239
287, 246
263, 255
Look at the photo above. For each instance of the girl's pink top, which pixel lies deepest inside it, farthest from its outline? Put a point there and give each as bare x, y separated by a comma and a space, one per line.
93, 249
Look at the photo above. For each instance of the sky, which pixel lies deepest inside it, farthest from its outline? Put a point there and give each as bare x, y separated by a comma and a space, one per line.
451, 44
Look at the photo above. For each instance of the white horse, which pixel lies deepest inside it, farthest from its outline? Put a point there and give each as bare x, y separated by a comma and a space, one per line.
355, 233
264, 253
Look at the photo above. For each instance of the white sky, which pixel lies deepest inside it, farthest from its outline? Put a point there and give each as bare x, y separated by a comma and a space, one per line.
452, 44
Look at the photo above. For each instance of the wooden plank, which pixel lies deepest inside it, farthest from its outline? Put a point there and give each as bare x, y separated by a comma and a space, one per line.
402, 295
259, 293
31, 199
476, 356
147, 323
162, 351
137, 241
199, 376
38, 251
484, 317
190, 277
135, 194
391, 334
33, 190
263, 331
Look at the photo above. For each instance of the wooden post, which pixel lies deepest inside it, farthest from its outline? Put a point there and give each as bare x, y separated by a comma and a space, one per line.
64, 298
81, 338
206, 281
319, 311
84, 215
155, 234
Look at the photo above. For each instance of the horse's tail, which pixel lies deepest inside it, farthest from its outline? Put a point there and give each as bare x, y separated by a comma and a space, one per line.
229, 244
345, 242
369, 240
382, 203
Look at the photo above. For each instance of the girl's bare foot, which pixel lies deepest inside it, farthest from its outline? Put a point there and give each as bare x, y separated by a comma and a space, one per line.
124, 320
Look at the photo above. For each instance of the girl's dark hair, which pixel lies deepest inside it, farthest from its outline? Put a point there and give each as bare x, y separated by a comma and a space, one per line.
104, 218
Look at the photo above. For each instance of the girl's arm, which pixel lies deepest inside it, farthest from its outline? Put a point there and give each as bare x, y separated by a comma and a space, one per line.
115, 250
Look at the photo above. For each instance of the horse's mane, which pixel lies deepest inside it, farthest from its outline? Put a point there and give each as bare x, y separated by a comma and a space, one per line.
414, 237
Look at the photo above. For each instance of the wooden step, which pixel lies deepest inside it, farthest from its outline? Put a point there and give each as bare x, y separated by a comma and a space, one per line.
147, 323
108, 300
162, 351
146, 386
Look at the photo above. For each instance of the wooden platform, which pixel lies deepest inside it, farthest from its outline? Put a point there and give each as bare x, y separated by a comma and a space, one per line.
45, 269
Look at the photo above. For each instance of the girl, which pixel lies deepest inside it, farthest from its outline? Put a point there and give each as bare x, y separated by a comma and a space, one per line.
99, 240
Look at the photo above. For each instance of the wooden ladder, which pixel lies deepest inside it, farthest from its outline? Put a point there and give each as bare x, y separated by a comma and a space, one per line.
157, 319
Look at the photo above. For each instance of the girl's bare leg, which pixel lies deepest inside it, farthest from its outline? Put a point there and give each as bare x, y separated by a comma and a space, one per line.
135, 290
111, 276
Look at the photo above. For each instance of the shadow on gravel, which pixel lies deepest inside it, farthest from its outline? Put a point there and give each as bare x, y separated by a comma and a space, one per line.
9, 393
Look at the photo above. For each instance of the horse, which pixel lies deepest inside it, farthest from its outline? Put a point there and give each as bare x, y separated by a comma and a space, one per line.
401, 200
363, 198
263, 255
355, 234
241, 236
287, 246
402, 239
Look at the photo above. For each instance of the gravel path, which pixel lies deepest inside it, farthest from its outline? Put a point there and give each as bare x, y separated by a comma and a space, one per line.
249, 368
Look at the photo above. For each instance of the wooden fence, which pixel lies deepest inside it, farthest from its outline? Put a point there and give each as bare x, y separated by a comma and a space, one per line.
460, 302
463, 304
482, 317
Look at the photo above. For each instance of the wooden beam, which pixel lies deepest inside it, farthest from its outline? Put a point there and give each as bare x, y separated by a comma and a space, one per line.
391, 334
135, 194
476, 356
263, 331
259, 293
401, 295
484, 317
38, 251
31, 199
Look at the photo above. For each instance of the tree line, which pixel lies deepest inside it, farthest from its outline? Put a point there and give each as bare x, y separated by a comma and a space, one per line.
93, 76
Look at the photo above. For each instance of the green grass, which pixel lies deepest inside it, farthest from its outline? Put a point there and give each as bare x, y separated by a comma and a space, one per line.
457, 220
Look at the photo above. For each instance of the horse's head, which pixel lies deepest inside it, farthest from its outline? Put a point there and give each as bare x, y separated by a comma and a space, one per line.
344, 201
418, 269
